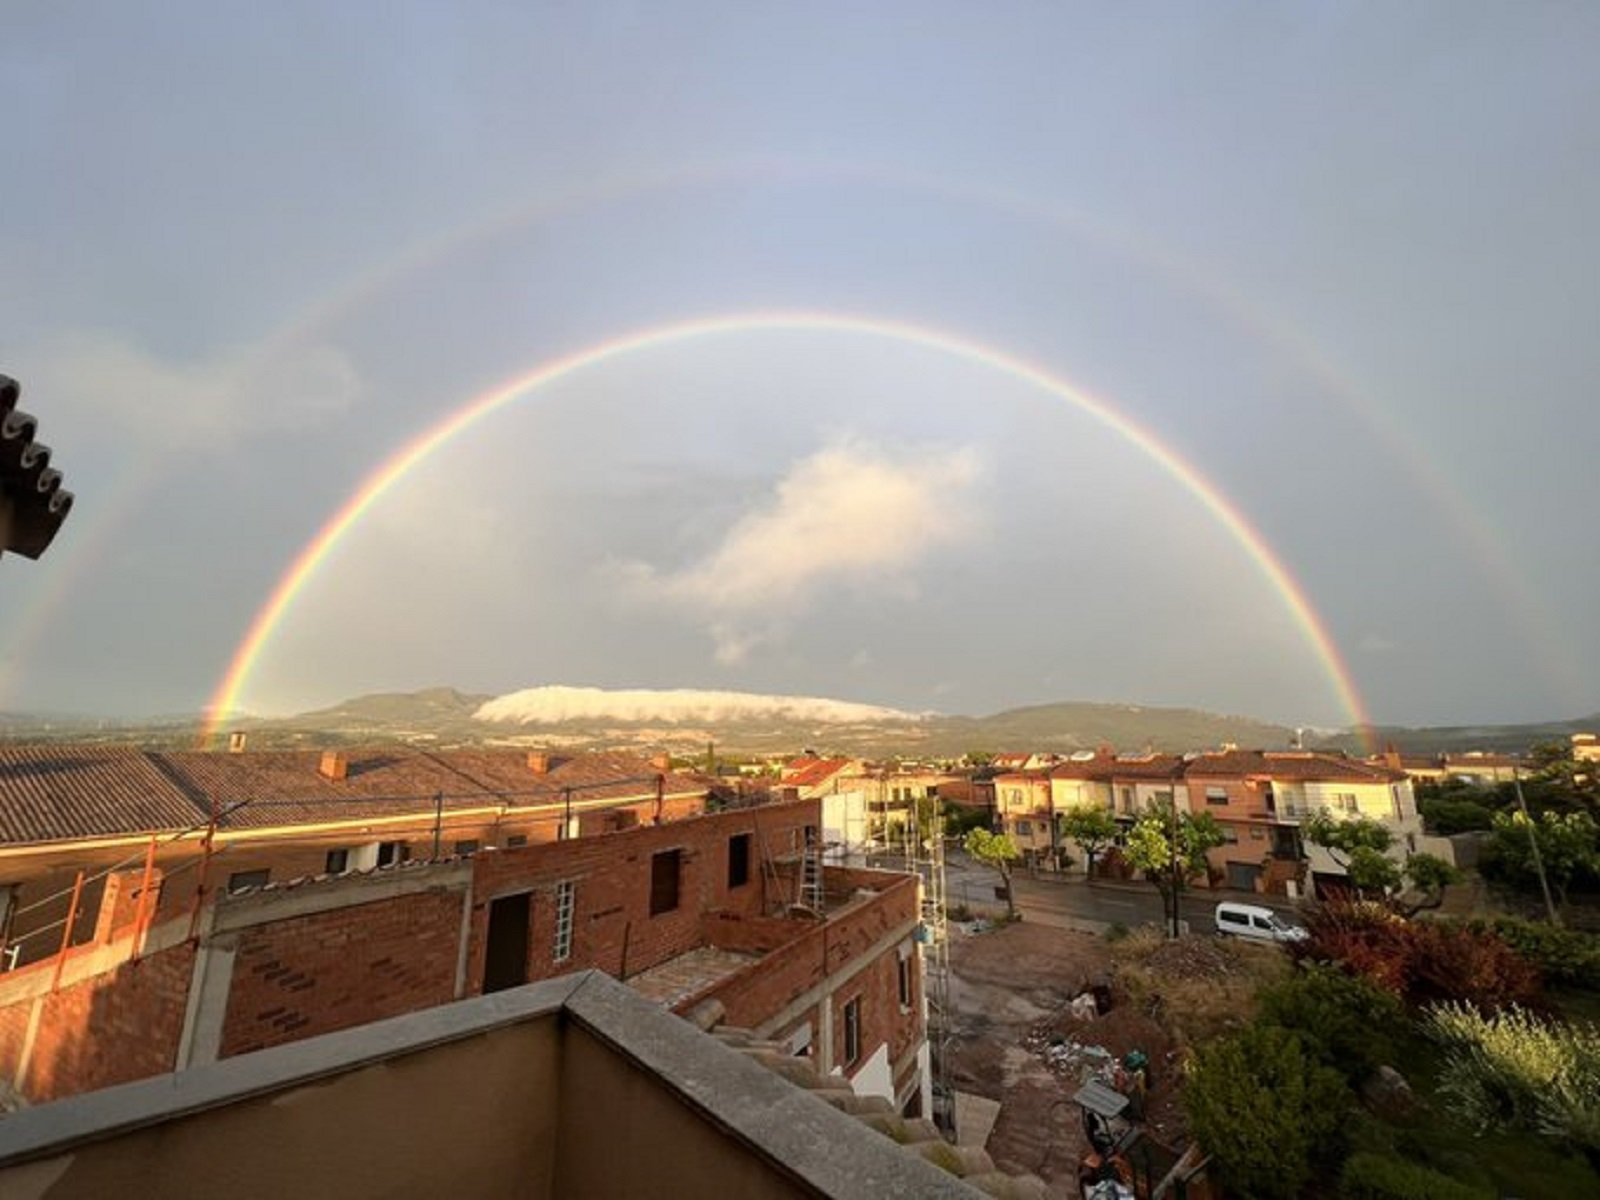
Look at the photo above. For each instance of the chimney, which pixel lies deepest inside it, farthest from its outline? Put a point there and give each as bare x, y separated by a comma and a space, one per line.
236, 743
662, 762
1391, 756
539, 762
334, 765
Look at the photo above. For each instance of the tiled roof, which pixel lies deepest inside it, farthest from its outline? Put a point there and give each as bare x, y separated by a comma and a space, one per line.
1299, 765
1478, 758
56, 793
260, 789
50, 793
609, 775
808, 772
1147, 766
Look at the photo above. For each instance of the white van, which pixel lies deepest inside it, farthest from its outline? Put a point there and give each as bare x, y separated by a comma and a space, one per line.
1253, 921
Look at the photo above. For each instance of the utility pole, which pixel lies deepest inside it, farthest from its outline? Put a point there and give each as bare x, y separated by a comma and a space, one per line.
438, 822
1533, 845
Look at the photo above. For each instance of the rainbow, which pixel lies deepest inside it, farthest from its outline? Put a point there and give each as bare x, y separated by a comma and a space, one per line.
225, 699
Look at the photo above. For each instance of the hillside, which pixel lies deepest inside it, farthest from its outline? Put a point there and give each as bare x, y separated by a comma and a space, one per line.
745, 723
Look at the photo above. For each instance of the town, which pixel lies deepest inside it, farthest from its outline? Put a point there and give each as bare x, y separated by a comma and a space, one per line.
882, 601
191, 911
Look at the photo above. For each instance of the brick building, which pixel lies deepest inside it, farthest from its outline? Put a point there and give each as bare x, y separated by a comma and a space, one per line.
706, 913
277, 815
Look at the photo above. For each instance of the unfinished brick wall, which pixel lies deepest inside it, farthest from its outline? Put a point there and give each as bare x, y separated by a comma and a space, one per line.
299, 977
762, 990
612, 925
112, 1028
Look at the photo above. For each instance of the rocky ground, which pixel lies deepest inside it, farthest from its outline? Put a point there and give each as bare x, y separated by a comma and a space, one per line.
1017, 1041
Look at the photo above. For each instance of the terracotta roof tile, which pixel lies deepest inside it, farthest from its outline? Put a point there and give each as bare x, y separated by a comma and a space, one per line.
53, 793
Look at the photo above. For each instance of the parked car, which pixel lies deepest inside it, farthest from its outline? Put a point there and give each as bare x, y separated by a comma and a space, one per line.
1256, 922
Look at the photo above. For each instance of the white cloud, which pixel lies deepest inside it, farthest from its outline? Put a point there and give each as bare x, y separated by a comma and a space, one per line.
850, 515
552, 704
1376, 643
203, 404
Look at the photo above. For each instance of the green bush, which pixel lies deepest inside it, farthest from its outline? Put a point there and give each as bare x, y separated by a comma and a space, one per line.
1386, 1177
1268, 1112
1447, 816
1514, 1070
1568, 956
1345, 1020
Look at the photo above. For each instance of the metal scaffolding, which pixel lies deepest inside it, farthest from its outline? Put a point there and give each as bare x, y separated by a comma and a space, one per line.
925, 856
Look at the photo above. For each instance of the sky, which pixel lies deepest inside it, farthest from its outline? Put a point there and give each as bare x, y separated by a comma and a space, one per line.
1335, 266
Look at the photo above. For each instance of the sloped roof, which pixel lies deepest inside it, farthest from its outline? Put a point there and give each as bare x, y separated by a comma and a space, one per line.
54, 793
809, 772
59, 793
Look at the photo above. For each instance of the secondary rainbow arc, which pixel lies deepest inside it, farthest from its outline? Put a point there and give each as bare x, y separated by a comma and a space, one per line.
226, 697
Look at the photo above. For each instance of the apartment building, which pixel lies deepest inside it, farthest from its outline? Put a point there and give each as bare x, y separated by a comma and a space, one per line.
709, 914
229, 821
1259, 798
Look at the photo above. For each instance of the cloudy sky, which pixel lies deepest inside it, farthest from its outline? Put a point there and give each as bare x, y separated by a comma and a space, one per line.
1339, 262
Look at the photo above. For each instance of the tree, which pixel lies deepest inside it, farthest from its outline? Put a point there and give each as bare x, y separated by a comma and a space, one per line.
1092, 826
1266, 1111
1371, 871
1346, 1021
995, 850
1569, 848
1170, 847
1428, 875
1360, 846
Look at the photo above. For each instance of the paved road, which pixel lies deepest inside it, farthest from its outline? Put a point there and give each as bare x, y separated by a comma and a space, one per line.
1045, 897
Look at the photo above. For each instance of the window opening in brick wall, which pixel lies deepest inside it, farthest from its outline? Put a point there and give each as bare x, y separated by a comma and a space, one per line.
852, 1031
905, 978
466, 846
337, 862
388, 853
516, 840
241, 881
738, 860
664, 868
1216, 795
566, 901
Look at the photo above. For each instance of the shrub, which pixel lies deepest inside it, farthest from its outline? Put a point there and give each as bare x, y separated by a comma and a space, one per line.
1266, 1111
1511, 1068
1447, 816
1567, 956
1450, 962
1387, 1177
1346, 1020
1420, 962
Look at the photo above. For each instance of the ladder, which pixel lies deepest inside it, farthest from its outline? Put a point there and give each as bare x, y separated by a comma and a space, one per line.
811, 871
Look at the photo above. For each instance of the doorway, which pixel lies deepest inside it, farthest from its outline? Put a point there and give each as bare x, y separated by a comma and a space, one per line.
505, 960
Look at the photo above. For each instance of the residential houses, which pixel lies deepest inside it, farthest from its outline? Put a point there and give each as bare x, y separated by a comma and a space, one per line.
1259, 798
229, 821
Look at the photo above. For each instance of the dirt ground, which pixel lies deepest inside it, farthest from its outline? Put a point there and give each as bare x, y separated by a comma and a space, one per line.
1016, 1040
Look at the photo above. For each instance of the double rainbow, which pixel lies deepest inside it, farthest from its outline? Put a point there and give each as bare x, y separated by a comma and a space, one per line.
226, 697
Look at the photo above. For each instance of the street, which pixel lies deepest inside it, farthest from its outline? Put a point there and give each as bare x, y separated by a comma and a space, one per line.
1061, 899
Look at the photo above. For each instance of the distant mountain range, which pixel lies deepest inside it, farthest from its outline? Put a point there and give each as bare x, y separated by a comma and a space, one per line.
749, 723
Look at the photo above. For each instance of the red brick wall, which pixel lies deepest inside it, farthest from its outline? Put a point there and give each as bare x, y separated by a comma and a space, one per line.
113, 1028
748, 935
315, 974
757, 994
612, 926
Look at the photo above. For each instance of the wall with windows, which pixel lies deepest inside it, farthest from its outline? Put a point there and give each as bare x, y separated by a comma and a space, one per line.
288, 962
